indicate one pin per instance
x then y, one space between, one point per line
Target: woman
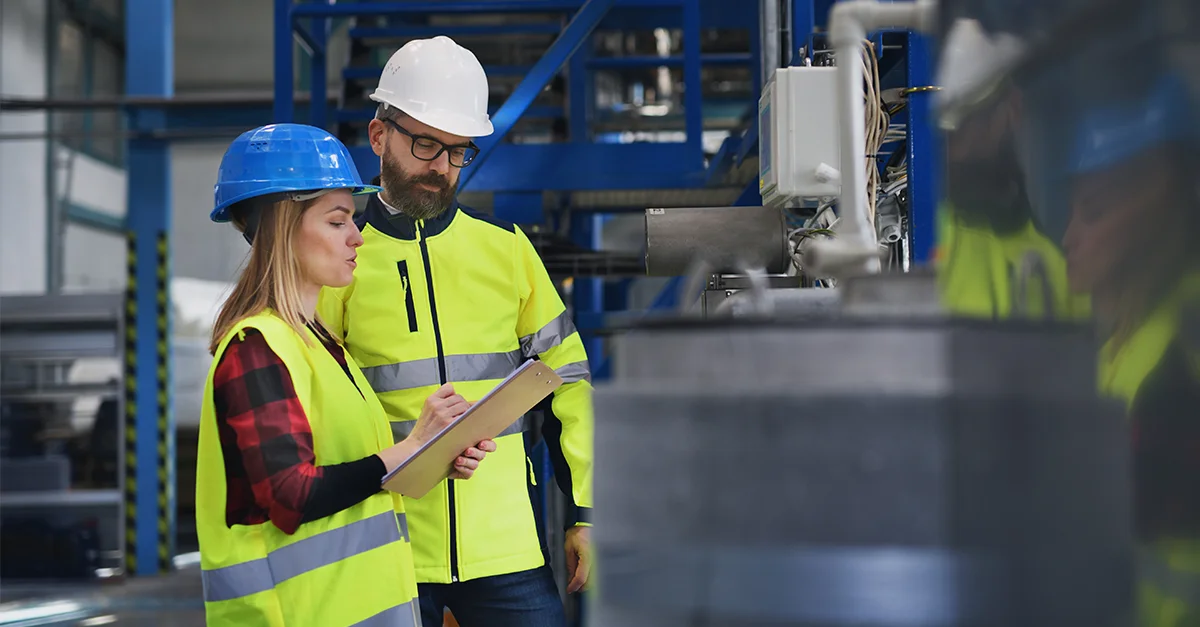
294 527
1130 243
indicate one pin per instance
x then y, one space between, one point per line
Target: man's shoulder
488 220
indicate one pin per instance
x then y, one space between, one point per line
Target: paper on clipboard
518 393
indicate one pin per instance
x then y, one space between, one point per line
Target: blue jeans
524 599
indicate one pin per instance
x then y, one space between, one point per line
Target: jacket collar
401 226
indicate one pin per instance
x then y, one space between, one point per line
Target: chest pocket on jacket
406 286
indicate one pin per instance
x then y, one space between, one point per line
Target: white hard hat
439 83
973 63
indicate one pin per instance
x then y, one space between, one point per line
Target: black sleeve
344 485
573 514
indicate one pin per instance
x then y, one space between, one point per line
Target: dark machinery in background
61 504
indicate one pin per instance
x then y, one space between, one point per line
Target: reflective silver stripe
482 366
295 559
408 375
549 336
573 373
1172 582
403 615
520 424
401 430
402 525
405 375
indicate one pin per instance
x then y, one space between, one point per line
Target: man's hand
579 558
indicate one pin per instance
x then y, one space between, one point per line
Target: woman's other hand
439 410
466 463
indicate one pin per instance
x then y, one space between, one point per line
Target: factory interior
1008 433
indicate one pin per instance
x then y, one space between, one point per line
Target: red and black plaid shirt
265 436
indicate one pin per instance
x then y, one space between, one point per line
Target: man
994 261
444 294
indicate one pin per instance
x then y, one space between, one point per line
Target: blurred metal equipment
894 468
728 239
61 404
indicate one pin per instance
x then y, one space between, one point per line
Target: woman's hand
465 464
439 410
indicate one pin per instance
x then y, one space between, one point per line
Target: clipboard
500 407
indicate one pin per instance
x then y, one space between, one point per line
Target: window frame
98 27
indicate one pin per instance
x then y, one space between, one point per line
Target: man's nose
441 164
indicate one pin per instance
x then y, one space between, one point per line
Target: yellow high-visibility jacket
980 270
1156 372
464 298
351 568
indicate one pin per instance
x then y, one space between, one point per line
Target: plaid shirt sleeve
265 437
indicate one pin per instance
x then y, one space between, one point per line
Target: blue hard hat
1109 134
280 158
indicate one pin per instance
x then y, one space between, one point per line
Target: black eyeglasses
427 148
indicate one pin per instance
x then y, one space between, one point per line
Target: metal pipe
856 251
351 9
10 105
727 239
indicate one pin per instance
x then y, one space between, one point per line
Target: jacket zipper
409 306
441 357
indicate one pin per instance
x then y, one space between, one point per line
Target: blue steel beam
318 83
749 140
803 22
284 107
434 8
722 162
587 294
366 115
924 158
308 40
571 166
371 72
453 30
572 37
595 63
724 58
693 97
581 100
150 425
750 197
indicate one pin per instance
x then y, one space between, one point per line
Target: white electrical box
798 136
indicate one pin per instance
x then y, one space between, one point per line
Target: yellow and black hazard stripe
166 435
131 313
165 444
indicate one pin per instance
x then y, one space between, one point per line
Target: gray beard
416 206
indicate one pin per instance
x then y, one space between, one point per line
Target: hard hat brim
221 212
444 121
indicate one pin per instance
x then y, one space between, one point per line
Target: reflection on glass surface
1072 192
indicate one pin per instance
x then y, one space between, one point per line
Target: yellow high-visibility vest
351 568
464 298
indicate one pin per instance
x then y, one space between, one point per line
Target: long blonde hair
272 276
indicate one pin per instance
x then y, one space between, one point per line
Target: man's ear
375 131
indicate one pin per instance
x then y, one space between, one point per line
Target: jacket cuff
578 517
